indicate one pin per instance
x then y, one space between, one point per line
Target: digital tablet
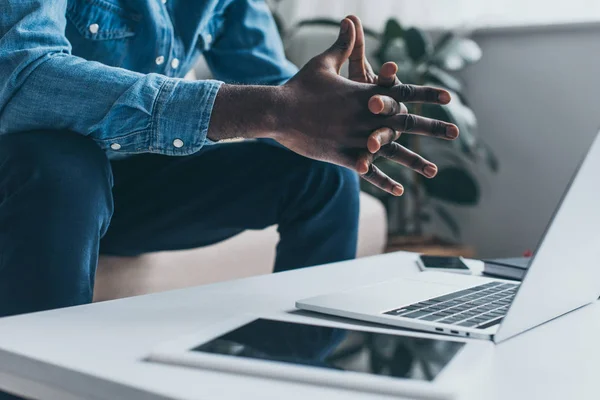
373 360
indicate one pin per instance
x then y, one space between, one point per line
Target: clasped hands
351 122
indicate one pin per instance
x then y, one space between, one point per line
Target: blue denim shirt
111 69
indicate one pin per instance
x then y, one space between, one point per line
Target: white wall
536 93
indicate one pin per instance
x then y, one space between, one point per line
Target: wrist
244 111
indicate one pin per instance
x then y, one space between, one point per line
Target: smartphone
444 264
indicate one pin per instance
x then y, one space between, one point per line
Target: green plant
423 61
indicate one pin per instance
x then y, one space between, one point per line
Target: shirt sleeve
249 49
44 87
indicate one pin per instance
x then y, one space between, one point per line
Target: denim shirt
112 69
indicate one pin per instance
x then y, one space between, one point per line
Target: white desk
95 351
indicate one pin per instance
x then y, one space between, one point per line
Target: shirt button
208 39
94 28
178 143
175 63
159 60
115 146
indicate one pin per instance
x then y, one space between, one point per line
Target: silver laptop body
562 276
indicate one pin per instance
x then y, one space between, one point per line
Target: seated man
93 113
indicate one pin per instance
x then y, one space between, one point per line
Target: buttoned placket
165 46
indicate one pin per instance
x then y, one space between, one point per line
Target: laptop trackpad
386 295
394 294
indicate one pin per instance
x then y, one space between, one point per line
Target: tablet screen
335 348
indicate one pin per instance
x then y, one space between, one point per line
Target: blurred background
525 75
526 78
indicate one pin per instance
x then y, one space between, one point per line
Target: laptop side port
455 332
439 329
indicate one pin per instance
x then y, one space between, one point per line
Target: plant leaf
424 217
442 42
453 62
392 31
453 185
439 76
490 157
456 52
449 220
469 50
418 44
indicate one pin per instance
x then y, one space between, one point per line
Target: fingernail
451 132
430 170
444 97
374 148
345 25
397 190
365 167
362 167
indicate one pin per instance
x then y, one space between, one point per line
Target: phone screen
438 262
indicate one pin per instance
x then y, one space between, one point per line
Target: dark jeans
62 203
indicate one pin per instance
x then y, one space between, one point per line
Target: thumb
339 52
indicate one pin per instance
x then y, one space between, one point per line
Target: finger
340 51
410 159
363 163
387 75
381 137
418 94
411 123
376 177
356 67
385 105
371 76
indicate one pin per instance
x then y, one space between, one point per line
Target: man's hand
381 142
347 146
321 115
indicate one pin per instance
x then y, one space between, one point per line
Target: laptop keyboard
477 307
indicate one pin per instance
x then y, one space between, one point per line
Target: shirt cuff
182 115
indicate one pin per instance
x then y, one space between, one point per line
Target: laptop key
415 314
508 286
459 309
430 317
453 295
436 308
451 320
395 312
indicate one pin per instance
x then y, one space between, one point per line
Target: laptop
562 276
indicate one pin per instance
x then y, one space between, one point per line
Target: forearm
43 87
121 110
246 111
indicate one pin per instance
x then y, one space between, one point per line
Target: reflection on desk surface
335 348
